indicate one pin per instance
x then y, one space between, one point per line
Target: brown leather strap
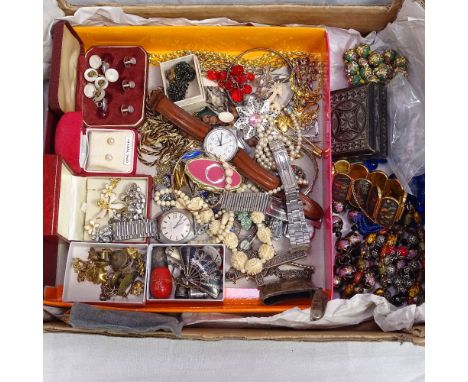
246 166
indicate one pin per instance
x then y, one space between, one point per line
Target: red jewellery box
119 74
70 200
95 151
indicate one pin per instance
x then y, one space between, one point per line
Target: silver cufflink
95 61
99 95
112 75
103 107
127 109
91 74
128 61
101 83
128 84
89 90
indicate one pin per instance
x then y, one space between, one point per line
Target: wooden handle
246 166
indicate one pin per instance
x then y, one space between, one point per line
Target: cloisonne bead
343 259
337 281
353 216
371 238
354 238
380 240
391 240
350 55
385 251
346 271
358 289
383 293
362 264
386 281
357 277
369 280
390 270
398 299
355 80
342 245
414 290
401 264
415 265
389 56
352 68
363 63
402 251
348 291
374 252
365 72
401 61
387 260
375 59
364 251
413 253
337 223
363 50
338 207
382 71
412 239
398 281
373 79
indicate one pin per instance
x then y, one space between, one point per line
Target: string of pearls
263 153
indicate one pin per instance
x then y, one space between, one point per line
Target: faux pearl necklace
263 153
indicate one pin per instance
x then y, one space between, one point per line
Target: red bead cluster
237 83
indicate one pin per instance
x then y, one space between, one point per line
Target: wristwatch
175 227
297 226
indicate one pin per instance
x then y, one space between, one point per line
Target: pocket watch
222 143
175 227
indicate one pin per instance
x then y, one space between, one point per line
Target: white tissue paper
405 35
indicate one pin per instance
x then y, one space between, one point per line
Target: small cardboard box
172 298
195 98
74 291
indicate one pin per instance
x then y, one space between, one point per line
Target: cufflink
128 61
112 75
95 61
89 90
102 107
127 109
128 84
91 74
101 83
99 95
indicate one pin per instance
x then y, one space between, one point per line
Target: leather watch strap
246 166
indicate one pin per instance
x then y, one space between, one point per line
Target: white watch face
175 226
222 143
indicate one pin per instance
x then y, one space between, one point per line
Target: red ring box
69 62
